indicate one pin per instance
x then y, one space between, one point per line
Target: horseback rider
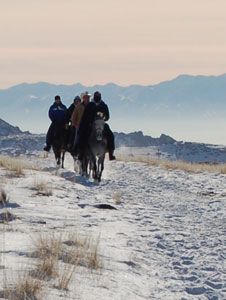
78 112
77 116
57 114
97 106
70 130
69 112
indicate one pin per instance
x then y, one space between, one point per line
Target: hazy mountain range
191 108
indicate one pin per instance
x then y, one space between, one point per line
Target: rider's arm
51 113
107 114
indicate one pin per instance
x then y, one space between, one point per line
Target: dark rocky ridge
6 129
15 142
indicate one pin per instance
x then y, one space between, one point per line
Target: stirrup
47 148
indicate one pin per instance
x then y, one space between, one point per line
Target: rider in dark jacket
71 108
57 114
91 110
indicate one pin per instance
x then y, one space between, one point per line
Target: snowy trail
166 240
178 232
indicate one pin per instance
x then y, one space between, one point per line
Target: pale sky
100 41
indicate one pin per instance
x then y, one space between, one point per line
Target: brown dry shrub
24 288
15 166
176 165
3 197
42 188
84 251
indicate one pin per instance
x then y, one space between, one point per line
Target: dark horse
97 147
58 142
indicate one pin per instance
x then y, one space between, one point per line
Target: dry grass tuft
83 252
58 260
48 251
5 216
25 288
15 165
117 197
65 276
47 268
3 197
94 261
42 188
46 246
76 240
15 170
177 165
77 252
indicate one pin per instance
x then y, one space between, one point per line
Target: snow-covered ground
165 241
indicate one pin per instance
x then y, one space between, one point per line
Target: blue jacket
57 112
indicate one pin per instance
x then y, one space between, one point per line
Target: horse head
98 128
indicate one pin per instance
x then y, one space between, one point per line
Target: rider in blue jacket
57 114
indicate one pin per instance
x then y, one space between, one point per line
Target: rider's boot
47 147
111 156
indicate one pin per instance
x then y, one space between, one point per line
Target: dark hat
97 97
57 97
77 98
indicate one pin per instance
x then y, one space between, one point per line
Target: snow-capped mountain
190 108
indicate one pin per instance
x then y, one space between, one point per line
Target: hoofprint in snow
166 240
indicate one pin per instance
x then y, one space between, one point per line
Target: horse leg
62 159
90 166
94 166
87 161
84 166
75 164
56 155
100 166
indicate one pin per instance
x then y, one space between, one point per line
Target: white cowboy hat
86 94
